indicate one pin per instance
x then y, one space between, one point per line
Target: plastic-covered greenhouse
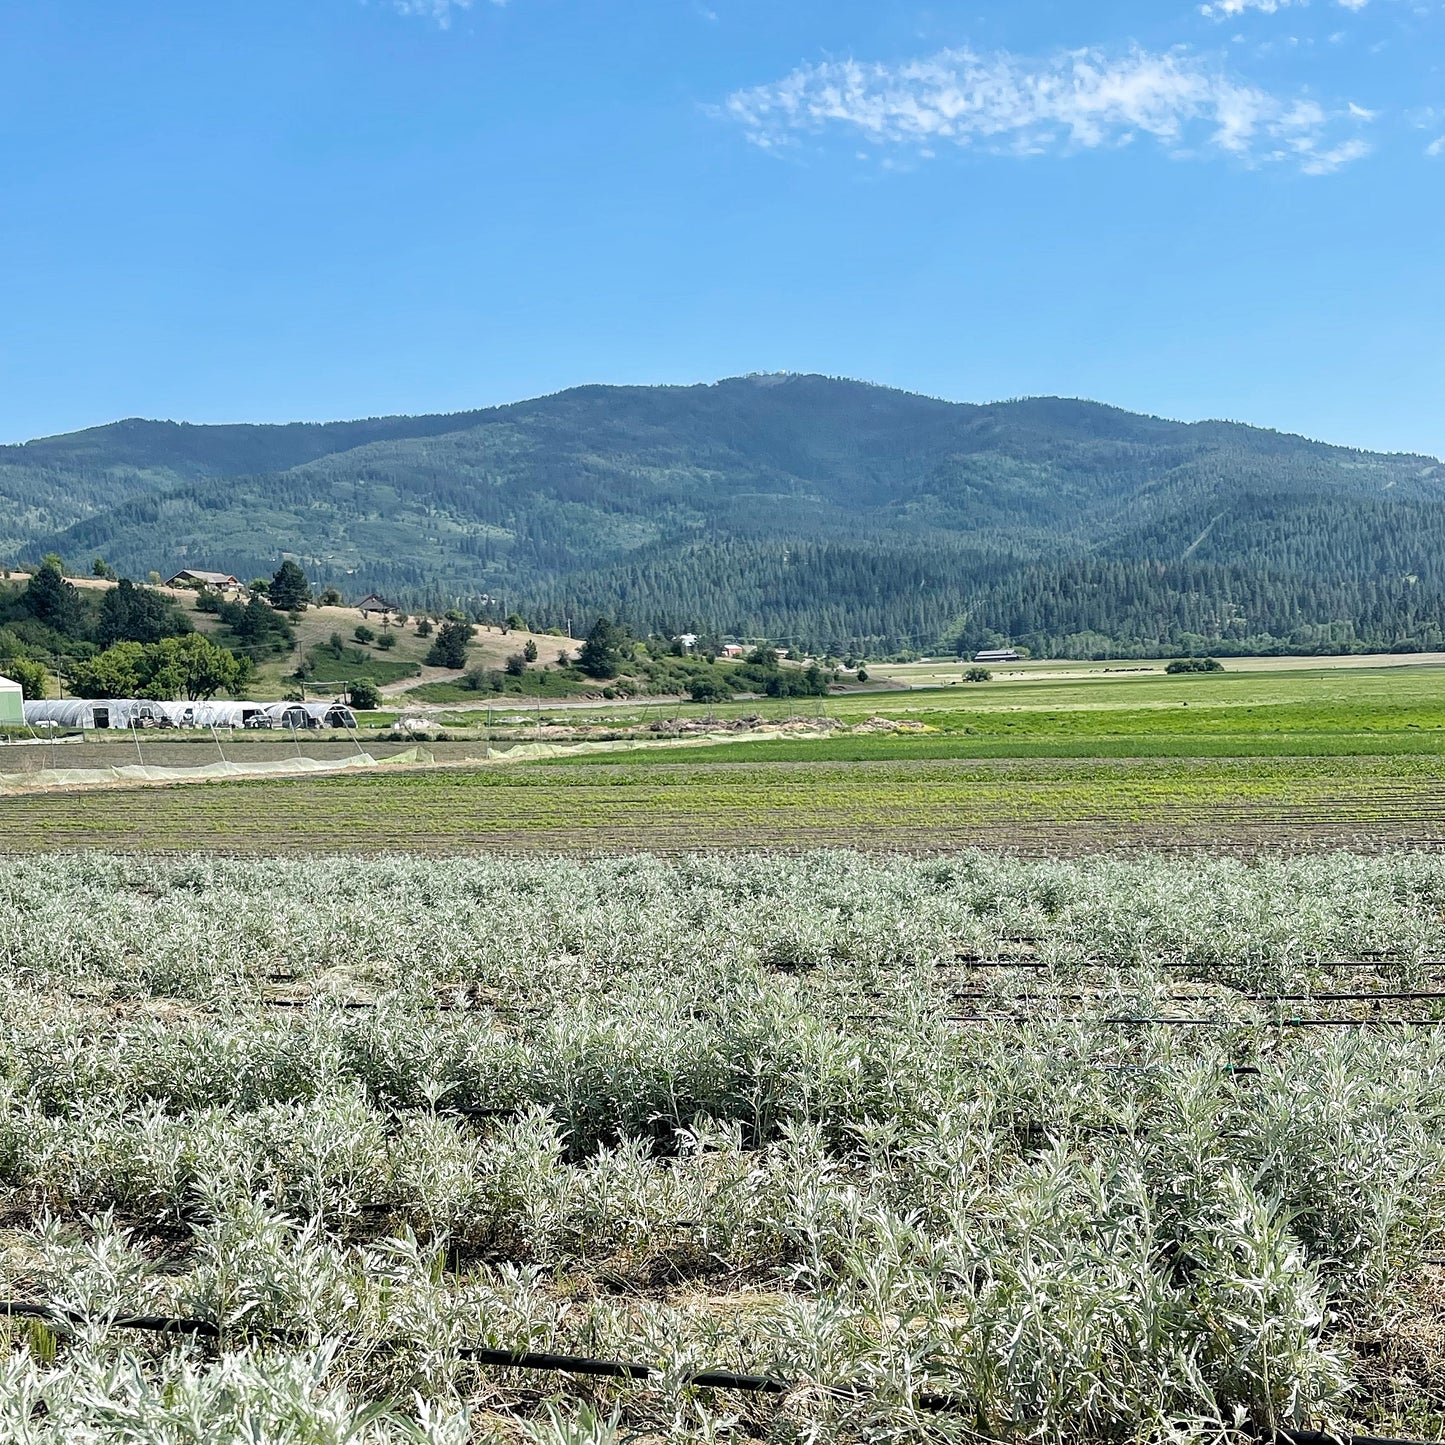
211 714
111 712
305 715
118 712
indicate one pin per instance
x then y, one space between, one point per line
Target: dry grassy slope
490 648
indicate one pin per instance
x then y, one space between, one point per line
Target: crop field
1289 712
819 1148
1032 805
1328 699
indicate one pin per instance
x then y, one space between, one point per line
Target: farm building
301 715
191 577
98 713
997 654
210 714
103 713
375 606
12 710
732 650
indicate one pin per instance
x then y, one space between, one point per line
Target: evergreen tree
136 614
51 600
602 653
449 649
290 591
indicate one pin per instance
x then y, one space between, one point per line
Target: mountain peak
565 496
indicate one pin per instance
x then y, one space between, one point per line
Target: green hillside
825 511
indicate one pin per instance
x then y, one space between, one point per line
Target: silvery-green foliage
281 1399
754 1113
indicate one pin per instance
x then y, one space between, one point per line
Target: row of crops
652 802
966 1148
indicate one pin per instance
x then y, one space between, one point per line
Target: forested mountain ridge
823 510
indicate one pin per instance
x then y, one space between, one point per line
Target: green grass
924 805
905 746
1289 760
535 682
1319 713
1319 700
353 666
1333 695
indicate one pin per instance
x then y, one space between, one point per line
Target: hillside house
217 581
732 649
374 606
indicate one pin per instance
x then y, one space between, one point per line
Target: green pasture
1328 700
1336 699
1319 713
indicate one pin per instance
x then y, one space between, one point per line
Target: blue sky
282 209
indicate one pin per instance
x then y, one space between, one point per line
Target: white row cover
75 712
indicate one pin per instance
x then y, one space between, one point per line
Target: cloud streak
1228 9
439 11
1077 100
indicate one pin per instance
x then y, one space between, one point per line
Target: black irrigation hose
158 1324
1188 1022
568 1364
1380 960
703 1379
963 994
483 1355
625 1370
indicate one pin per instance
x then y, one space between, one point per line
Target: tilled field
194 750
825 1147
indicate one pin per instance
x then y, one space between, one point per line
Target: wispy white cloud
1076 100
1436 147
438 10
1225 9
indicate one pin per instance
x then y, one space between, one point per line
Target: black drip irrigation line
1364 1023
962 995
702 1379
1373 1021
485 1355
1327 1437
1366 960
626 1370
437 1006
157 1324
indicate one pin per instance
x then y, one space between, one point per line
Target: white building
12 709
